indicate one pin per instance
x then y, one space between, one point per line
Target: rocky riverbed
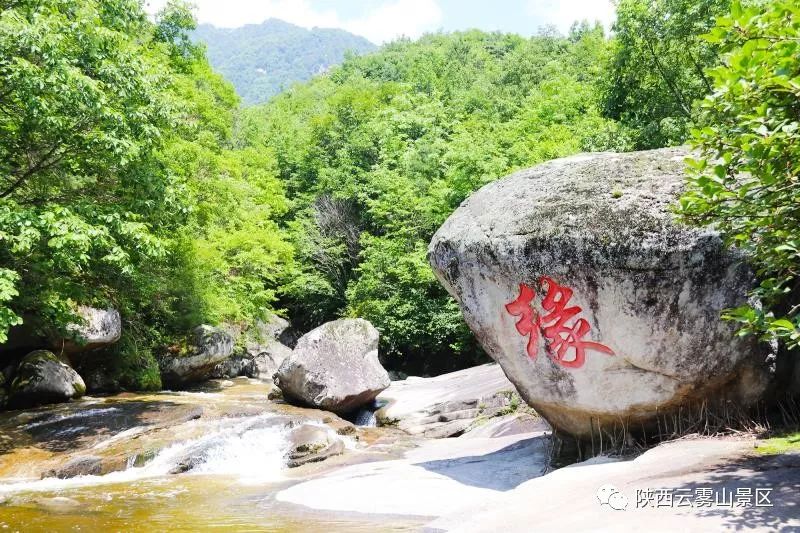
222 456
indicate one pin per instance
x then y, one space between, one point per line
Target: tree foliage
377 154
130 177
119 182
657 70
81 117
264 59
745 181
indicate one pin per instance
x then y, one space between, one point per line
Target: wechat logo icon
609 495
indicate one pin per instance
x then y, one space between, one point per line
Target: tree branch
674 90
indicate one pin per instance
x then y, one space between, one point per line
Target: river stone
334 367
88 465
311 444
42 378
270 358
275 327
646 290
101 327
206 347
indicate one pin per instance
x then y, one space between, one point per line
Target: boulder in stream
334 367
87 465
41 378
601 309
449 404
260 349
194 361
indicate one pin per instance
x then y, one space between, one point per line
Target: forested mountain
260 60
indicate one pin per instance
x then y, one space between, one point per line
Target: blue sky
384 20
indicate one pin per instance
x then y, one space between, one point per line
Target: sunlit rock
334 367
598 305
100 327
195 360
42 378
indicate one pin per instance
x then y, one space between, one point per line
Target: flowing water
182 461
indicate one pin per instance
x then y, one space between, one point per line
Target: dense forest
261 60
130 175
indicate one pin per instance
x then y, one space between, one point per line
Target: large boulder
100 327
601 309
334 367
261 362
42 378
195 360
278 328
271 346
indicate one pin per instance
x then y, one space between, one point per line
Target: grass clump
787 443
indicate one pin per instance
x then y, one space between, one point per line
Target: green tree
120 184
81 117
745 181
377 154
657 69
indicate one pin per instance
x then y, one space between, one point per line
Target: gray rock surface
79 466
262 353
334 367
569 499
101 327
41 378
206 347
278 328
269 358
432 478
600 307
447 405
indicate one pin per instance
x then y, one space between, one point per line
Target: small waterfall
252 449
365 417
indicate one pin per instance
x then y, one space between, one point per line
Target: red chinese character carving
528 323
559 337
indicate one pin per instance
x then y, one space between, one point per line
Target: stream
177 461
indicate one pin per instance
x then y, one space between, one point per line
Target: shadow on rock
780 473
500 470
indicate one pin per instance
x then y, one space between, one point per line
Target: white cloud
394 19
383 23
562 13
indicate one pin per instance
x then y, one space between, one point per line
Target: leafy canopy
378 153
657 70
745 181
119 181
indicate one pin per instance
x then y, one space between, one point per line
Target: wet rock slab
433 478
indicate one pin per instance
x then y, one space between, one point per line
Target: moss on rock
41 378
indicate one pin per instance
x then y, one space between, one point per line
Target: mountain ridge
261 60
